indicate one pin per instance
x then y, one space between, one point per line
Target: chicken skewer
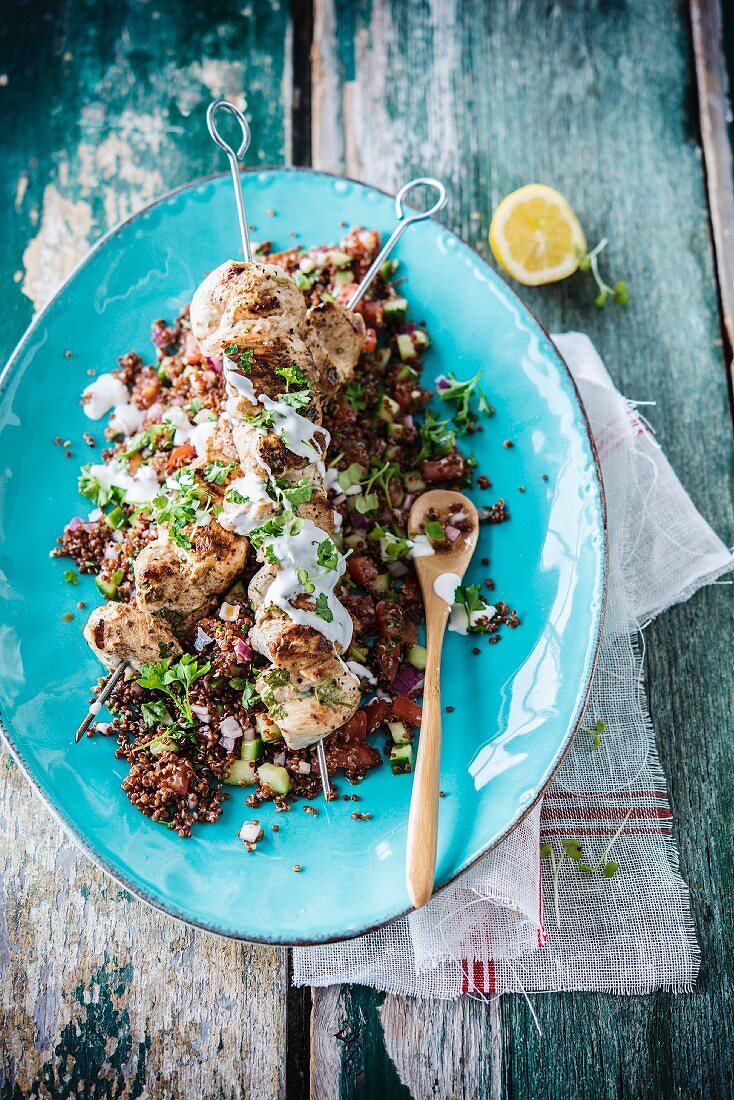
251 444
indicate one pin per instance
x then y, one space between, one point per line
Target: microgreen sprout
460 394
322 608
379 479
589 261
597 732
571 850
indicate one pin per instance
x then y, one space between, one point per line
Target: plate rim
61 817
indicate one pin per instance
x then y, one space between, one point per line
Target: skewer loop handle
235 155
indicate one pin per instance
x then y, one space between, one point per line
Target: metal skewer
323 770
234 158
101 699
403 223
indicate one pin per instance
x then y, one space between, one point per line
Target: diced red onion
442 383
215 364
452 533
459 517
359 523
202 639
229 729
243 650
397 568
304 768
408 421
161 337
227 744
249 734
72 525
202 713
279 759
407 680
250 831
408 327
407 503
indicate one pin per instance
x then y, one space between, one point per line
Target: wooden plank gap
302 21
712 87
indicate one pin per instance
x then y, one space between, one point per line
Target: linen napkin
521 921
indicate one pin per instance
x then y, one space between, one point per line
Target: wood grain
595 99
100 995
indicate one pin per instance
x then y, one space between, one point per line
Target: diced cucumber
414 483
435 531
110 588
401 759
417 657
395 309
383 357
251 750
406 347
381 583
241 773
266 728
421 339
407 374
354 542
339 259
356 653
396 430
116 518
161 745
389 268
276 777
392 454
342 278
387 409
399 733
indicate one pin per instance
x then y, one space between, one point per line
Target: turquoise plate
516 705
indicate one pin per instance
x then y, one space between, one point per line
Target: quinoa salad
246 521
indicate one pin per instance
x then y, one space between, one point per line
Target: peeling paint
62 238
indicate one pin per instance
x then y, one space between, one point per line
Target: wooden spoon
423 819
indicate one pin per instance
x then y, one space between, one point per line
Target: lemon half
535 235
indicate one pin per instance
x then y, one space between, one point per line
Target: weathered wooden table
102 109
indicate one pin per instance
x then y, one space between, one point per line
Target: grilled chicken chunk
259 296
335 335
124 631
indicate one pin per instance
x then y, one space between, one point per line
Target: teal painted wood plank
595 99
101 109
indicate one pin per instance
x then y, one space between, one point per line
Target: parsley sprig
437 437
175 681
468 596
293 376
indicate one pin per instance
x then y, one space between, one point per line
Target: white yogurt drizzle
138 488
102 395
239 384
297 432
297 551
445 586
241 517
198 435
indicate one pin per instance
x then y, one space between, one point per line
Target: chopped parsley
243 358
298 399
296 493
216 473
468 596
437 437
234 496
90 488
250 697
353 392
70 576
293 376
262 419
392 547
329 693
179 511
159 437
322 608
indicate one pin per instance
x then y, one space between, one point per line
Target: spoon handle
423 818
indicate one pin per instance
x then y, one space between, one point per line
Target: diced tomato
451 467
373 312
356 728
375 713
406 710
362 569
344 292
181 456
387 655
391 623
370 341
191 353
